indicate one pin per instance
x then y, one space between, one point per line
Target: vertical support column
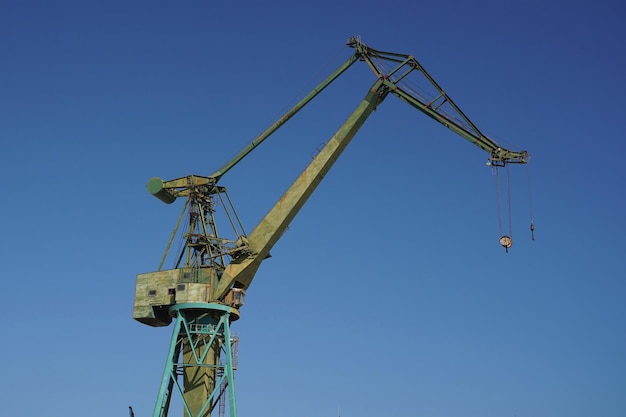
201 353
169 375
229 373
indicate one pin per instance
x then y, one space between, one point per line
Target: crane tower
203 293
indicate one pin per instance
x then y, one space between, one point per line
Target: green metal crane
206 289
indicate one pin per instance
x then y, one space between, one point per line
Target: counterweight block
155 187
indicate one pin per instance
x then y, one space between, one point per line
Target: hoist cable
508 192
530 205
169 243
498 200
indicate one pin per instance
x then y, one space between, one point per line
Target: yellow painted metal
199 381
240 271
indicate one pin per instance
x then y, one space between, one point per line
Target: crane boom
241 271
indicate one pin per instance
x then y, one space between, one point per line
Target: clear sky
389 295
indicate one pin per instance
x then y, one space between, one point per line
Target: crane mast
206 288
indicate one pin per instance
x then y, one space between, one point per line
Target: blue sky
389 294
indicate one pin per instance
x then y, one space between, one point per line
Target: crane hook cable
505 240
495 171
508 195
530 205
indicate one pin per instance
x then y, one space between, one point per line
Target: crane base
201 355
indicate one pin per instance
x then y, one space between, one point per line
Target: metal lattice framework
201 354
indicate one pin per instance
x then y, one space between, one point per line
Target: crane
205 290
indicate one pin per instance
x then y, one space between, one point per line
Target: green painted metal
206 287
201 353
156 187
160 293
292 112
439 106
240 271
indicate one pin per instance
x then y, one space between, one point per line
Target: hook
506 242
